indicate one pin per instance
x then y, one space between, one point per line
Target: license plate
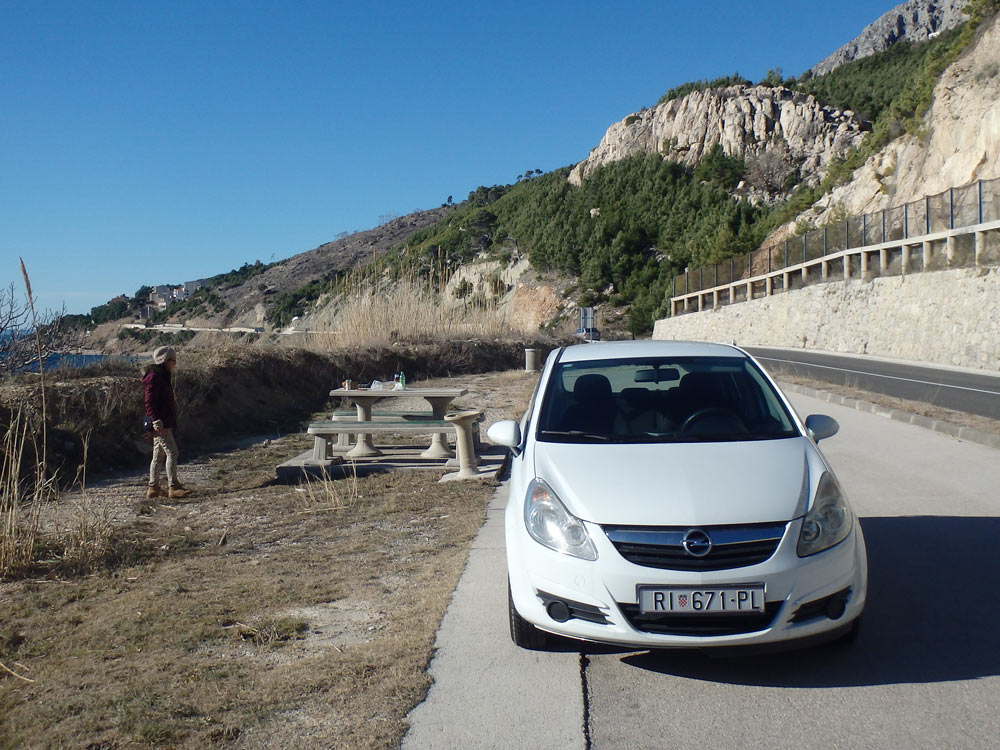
685 600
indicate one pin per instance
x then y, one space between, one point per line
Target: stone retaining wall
943 317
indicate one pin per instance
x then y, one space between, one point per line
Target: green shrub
716 83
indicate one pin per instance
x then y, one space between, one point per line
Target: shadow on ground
931 616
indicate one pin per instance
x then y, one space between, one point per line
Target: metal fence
972 204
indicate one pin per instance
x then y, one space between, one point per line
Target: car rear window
683 399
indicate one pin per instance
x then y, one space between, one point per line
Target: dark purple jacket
159 396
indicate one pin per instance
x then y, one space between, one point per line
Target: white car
666 495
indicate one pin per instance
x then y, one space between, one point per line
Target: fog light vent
561 610
832 606
558 611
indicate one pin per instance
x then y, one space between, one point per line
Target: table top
389 393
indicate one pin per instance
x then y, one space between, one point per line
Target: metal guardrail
951 229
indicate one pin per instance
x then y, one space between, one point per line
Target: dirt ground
250 615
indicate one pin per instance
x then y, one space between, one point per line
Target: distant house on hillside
163 294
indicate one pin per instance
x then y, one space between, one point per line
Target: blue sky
148 143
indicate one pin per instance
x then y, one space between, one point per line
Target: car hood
681 483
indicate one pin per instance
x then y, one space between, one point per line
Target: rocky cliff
747 121
959 141
915 20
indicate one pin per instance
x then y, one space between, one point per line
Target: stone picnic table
364 399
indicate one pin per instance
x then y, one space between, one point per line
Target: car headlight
828 521
550 524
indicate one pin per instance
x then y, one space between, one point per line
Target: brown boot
177 491
153 490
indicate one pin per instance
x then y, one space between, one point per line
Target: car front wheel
522 632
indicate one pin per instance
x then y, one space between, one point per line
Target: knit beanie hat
162 354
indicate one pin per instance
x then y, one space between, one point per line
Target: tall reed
21 498
22 493
373 311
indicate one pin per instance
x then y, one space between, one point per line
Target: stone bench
322 432
346 415
344 445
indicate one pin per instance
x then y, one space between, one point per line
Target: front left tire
522 632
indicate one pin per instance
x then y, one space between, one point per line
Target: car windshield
648 400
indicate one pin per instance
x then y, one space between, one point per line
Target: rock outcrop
914 20
959 142
747 121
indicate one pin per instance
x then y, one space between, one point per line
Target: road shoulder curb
961 432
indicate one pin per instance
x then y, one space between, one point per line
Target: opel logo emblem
697 543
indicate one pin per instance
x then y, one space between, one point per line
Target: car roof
626 349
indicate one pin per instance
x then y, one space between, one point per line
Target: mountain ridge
913 20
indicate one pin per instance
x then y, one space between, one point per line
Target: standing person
160 407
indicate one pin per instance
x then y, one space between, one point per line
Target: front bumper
805 598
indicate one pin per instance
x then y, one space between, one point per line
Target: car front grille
703 625
663 547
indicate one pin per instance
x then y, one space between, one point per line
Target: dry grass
374 313
250 615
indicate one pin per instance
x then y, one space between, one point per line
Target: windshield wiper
644 437
723 437
574 434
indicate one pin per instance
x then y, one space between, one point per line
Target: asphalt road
972 391
924 673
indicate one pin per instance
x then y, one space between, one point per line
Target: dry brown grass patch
258 616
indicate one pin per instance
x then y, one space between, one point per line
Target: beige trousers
164 451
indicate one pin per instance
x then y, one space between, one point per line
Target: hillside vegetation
653 217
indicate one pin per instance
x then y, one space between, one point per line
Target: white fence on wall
957 228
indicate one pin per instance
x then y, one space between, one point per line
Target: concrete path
487 693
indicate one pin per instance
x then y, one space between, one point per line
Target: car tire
522 632
851 634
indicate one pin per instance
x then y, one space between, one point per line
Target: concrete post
824 270
904 261
785 278
950 250
883 260
715 299
749 291
928 248
980 247
847 267
531 360
864 263
769 286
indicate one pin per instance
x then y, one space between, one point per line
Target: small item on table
347 385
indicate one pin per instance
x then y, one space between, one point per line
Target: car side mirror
821 426
506 433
